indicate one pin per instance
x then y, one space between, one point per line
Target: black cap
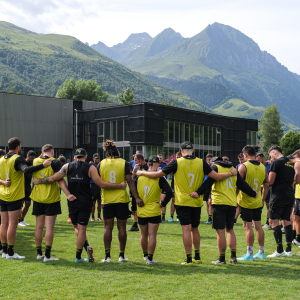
80 152
186 145
216 159
96 155
153 159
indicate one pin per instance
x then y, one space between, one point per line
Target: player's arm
21 165
133 202
5 182
242 171
222 176
152 175
93 173
272 177
265 187
56 177
63 186
164 185
297 173
245 187
133 190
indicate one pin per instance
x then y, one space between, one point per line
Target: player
96 191
207 194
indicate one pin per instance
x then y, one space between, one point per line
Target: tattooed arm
56 177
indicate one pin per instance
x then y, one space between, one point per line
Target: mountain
119 51
39 64
222 58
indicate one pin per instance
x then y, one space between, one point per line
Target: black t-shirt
282 189
28 177
172 166
79 184
55 164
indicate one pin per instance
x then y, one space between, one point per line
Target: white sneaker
276 254
290 253
145 258
1 251
23 223
40 256
266 226
106 260
4 255
121 259
151 262
50 259
295 242
15 256
26 223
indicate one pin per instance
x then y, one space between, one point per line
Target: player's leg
27 204
172 210
144 237
13 220
195 213
237 212
49 236
187 241
122 239
107 237
231 238
4 227
99 209
288 228
152 231
221 242
93 212
163 209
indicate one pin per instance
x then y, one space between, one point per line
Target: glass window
126 154
215 136
201 135
187 132
197 135
120 131
201 154
248 138
126 130
100 132
160 151
197 153
171 132
253 138
177 132
218 138
113 130
148 151
182 136
192 133
166 153
107 131
166 131
205 135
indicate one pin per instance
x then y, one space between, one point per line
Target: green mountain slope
39 64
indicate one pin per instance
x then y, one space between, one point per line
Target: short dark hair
140 156
13 143
62 159
249 150
209 155
277 148
178 153
31 153
297 152
260 154
241 155
47 148
2 152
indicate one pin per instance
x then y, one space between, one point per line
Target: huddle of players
188 174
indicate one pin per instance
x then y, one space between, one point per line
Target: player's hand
194 195
135 167
123 185
133 213
35 181
47 163
90 162
139 202
71 197
139 173
7 182
234 171
256 194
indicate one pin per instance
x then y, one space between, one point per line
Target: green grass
63 279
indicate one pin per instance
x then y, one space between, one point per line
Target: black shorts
188 215
96 192
249 215
223 216
280 209
152 220
80 215
206 196
50 209
11 206
116 210
267 200
296 211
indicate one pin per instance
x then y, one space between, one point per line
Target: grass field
63 279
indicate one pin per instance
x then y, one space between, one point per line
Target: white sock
250 250
261 250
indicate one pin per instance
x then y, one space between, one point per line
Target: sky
274 25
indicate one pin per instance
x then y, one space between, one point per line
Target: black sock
172 216
98 215
278 238
107 253
121 254
145 253
163 215
209 218
222 257
4 247
298 238
86 244
197 254
150 256
294 234
93 216
78 253
0 246
48 251
10 250
39 250
189 258
235 220
289 237
267 222
21 219
233 253
134 224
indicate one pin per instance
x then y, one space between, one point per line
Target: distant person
225 158
96 191
241 159
207 194
161 165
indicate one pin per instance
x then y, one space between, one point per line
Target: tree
290 143
169 103
82 90
270 129
127 97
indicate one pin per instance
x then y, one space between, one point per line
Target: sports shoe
260 255
15 256
151 262
197 261
290 253
69 220
57 220
163 219
1 251
123 259
208 222
80 260
92 219
145 258
187 263
282 230
177 220
4 255
266 226
233 260
276 254
295 242
246 257
26 224
219 262
40 256
22 223
99 219
50 259
133 228
90 252
171 219
106 260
